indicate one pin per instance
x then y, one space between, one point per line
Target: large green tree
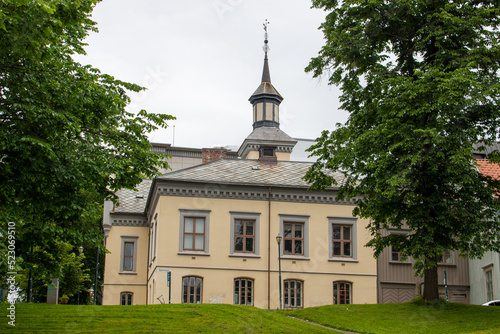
66 139
420 81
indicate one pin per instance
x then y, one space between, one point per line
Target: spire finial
266 47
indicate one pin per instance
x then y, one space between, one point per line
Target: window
193 231
293 294
342 240
342 232
396 254
192 289
128 255
267 152
294 230
342 292
446 257
488 275
243 291
126 298
244 234
153 232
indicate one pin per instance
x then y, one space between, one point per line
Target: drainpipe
269 251
147 263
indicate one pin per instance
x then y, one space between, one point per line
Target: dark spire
266 76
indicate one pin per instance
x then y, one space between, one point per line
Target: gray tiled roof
247 172
267 133
133 201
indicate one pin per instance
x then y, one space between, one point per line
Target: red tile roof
488 169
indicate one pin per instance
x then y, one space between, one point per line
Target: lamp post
80 251
279 238
91 293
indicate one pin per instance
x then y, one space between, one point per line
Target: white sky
202 59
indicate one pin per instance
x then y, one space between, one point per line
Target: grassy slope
178 318
406 318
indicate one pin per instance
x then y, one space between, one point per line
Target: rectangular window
126 298
128 255
446 257
244 236
243 291
194 233
488 276
342 293
342 232
192 289
293 238
293 294
342 240
396 254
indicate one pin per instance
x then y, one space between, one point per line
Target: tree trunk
431 291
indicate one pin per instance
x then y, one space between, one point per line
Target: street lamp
91 293
80 251
279 238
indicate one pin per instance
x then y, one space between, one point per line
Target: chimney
212 154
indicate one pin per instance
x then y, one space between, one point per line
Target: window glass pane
249 244
128 263
249 228
242 283
188 225
238 244
336 248
129 249
191 281
395 256
447 257
287 230
347 248
347 232
238 230
287 247
199 242
336 232
200 225
188 241
298 247
298 230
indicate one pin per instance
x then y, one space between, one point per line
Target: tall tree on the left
66 139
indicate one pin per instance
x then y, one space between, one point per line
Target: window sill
343 259
295 257
127 273
399 262
252 256
447 264
193 253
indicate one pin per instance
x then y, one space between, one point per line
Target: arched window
293 293
126 298
342 292
192 288
243 291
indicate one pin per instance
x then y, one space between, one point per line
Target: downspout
147 263
269 251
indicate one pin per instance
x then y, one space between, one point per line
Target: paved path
326 327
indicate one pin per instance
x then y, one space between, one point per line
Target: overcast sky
202 59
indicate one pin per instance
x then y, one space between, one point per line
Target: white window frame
353 222
289 218
134 240
255 216
489 269
186 213
408 258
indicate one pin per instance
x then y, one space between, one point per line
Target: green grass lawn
406 318
181 318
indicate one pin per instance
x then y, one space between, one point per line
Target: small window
244 236
267 151
126 298
342 240
293 294
128 255
396 254
243 291
342 292
293 238
192 289
446 257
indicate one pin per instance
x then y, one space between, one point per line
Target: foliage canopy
420 80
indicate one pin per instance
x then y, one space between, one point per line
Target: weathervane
266 47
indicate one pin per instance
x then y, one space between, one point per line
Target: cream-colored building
212 229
